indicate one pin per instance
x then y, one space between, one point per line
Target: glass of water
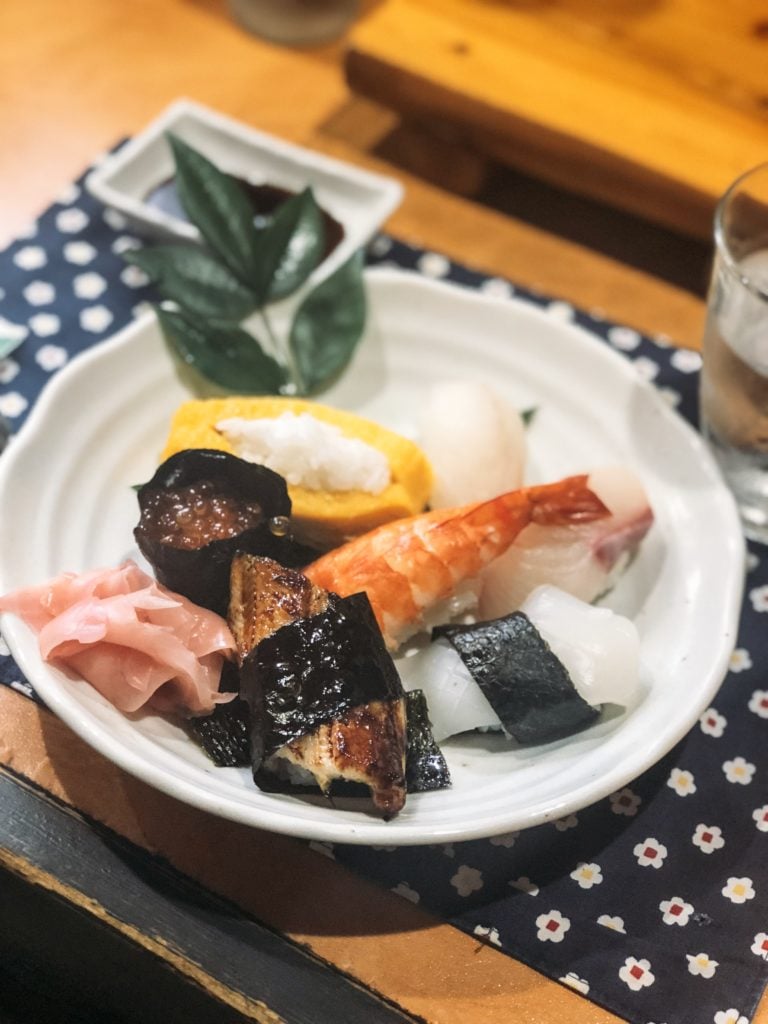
295 22
734 377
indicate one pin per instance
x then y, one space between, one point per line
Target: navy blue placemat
651 902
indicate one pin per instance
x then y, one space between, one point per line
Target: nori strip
225 735
425 766
525 682
312 671
202 574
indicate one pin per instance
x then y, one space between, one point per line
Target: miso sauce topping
193 516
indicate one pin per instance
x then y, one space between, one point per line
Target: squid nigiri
475 441
540 672
410 567
582 557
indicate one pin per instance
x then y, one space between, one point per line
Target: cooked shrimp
410 566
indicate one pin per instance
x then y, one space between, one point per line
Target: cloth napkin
652 902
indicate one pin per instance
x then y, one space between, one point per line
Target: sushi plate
68 494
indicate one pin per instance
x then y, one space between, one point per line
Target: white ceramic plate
66 499
359 200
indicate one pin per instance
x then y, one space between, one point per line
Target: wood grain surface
70 86
390 946
247 968
656 105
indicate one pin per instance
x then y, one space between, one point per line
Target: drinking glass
734 377
295 22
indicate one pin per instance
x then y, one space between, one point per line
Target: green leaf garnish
328 325
290 247
226 355
189 276
243 270
218 207
528 415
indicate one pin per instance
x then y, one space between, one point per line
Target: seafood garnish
199 508
410 566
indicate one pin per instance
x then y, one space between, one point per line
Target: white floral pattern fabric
652 901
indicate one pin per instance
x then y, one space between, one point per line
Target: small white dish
66 496
359 200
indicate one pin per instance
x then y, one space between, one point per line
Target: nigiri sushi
325 696
539 673
410 568
475 441
585 558
323 693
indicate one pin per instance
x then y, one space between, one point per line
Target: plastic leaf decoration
239 271
226 355
328 324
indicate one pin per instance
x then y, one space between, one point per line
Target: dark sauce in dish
265 199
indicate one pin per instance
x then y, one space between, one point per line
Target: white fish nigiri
599 650
475 441
584 559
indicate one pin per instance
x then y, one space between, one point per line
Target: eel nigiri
323 692
582 557
540 672
411 567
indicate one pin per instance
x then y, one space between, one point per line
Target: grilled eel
322 689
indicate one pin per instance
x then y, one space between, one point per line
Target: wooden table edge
403 957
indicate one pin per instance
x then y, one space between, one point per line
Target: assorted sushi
200 507
425 569
292 661
536 674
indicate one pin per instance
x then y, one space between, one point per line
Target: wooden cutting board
654 106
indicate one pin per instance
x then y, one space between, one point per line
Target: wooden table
653 106
228 922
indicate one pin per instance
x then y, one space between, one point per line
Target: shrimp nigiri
411 566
